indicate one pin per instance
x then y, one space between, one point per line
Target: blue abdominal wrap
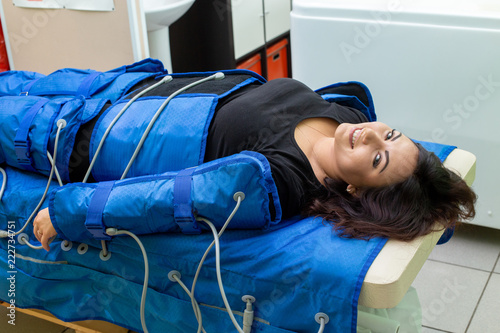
177 140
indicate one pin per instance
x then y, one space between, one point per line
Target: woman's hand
43 229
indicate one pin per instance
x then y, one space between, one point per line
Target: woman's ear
352 190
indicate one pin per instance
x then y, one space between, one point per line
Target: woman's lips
355 133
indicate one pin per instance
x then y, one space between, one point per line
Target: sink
162 13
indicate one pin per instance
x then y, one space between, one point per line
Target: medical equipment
33 103
4 233
297 272
249 254
84 88
177 141
252 259
162 81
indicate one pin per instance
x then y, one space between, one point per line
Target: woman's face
372 154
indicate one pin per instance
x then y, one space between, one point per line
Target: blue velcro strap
183 210
93 222
21 141
26 88
84 88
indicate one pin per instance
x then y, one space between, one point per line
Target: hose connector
248 313
112 231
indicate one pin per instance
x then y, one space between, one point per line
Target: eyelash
378 158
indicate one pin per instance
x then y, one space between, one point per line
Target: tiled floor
458 287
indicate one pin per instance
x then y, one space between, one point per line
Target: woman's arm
152 204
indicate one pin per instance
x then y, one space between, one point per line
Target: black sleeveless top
263 118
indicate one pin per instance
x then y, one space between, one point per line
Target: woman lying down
327 160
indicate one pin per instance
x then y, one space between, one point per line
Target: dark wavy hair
404 210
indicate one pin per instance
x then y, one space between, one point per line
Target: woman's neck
308 134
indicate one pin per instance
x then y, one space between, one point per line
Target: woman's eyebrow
387 153
387 158
397 137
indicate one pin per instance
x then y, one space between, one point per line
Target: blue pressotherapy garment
148 204
295 269
32 103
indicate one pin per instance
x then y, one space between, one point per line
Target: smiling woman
379 182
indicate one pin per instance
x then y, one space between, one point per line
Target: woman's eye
390 135
376 160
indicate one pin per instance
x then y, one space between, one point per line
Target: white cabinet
249 17
277 16
248 26
223 34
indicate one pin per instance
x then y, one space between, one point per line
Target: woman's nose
371 137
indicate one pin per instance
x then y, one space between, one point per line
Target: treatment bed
293 276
